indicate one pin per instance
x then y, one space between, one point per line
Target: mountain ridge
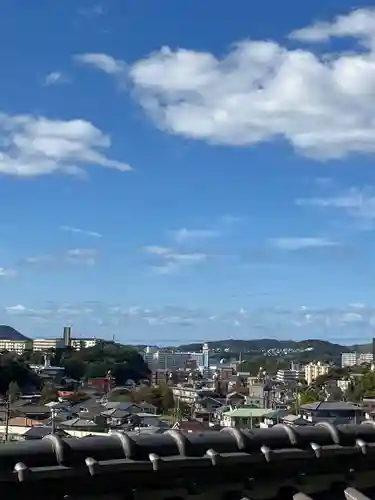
309 349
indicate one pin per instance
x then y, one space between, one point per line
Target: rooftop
248 412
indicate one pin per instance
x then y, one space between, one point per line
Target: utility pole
53 423
7 415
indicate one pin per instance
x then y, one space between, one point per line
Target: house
35 412
23 422
80 424
235 398
208 403
189 426
335 412
295 421
129 407
274 417
41 431
190 395
147 407
244 417
116 417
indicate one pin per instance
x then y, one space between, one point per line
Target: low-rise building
244 417
335 412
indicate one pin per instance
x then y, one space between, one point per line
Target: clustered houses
25 420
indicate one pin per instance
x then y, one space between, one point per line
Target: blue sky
187 171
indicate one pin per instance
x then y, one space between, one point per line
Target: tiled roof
320 462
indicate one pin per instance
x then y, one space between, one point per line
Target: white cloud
82 256
17 309
102 62
261 91
7 273
76 230
182 235
356 202
301 243
157 250
55 78
358 24
170 261
94 11
32 146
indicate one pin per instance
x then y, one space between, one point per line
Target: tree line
122 362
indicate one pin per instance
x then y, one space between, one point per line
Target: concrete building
45 345
355 358
18 346
163 360
287 376
67 335
315 370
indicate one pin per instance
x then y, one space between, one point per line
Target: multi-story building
166 360
77 344
286 376
83 343
315 370
18 346
355 358
46 344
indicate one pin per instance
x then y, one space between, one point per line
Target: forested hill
314 348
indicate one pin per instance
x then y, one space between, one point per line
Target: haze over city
187 171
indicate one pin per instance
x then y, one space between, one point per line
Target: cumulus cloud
341 324
358 24
32 146
302 243
322 104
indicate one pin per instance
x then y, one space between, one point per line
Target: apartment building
288 376
76 343
18 346
315 370
163 360
355 358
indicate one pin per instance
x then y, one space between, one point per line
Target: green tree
49 393
308 397
14 391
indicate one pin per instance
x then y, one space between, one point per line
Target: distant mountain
10 333
309 349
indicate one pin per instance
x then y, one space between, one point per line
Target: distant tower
67 336
206 356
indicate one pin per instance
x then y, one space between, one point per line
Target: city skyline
175 173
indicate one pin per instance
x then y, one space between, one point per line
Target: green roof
248 412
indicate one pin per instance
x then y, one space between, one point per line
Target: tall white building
162 360
355 358
315 370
